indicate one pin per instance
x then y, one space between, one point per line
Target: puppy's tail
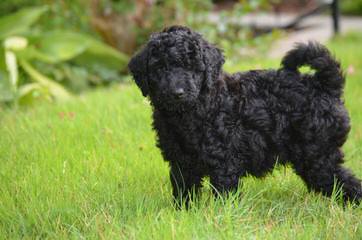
328 74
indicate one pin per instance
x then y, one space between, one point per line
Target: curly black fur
210 123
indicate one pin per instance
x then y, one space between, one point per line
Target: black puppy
210 123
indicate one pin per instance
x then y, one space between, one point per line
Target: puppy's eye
157 67
155 64
153 61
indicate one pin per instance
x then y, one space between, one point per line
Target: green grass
89 169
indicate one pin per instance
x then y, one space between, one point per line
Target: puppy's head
175 66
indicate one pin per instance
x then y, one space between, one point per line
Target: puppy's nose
179 92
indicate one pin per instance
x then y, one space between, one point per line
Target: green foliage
55 50
89 169
352 7
226 32
20 21
165 13
119 6
67 14
10 6
62 46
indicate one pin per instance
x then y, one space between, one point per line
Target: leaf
101 54
31 53
62 45
20 21
97 53
29 93
107 54
12 67
15 43
2 59
55 89
6 93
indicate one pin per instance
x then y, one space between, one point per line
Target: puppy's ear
138 68
213 60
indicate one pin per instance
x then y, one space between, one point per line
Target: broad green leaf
96 52
32 92
55 89
100 54
61 45
111 57
2 59
31 53
64 45
20 21
15 43
6 93
12 67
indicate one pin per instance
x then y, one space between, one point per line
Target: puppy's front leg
186 183
224 181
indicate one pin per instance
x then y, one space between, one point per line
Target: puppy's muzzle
179 93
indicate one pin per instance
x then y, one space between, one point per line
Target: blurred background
54 49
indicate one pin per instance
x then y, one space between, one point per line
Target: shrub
27 48
352 7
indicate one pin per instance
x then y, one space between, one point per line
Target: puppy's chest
193 133
188 132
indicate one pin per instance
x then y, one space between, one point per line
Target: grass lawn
89 169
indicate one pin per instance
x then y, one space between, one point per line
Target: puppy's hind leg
321 173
